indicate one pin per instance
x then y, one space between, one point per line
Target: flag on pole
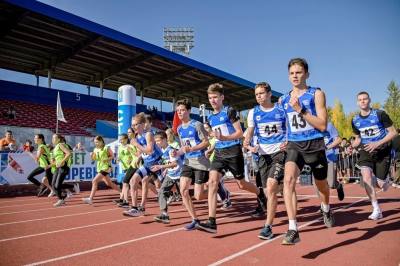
175 123
60 114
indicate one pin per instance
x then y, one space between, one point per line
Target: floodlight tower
179 39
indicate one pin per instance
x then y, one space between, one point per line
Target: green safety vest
124 156
102 159
44 158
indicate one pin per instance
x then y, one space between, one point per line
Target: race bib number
369 132
297 123
269 129
190 142
223 129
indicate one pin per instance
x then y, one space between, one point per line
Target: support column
37 80
88 89
49 73
101 89
142 96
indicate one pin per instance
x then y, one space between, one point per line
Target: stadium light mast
179 39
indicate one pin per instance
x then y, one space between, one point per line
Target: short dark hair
124 136
185 103
264 85
100 138
298 61
161 134
9 131
40 136
363 92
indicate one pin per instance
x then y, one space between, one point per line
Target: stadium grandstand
44 41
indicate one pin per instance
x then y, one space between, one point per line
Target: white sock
292 225
375 205
324 207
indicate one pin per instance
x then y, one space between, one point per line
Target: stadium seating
44 116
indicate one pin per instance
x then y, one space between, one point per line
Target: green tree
376 105
338 117
392 103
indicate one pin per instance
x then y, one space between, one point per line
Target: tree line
342 121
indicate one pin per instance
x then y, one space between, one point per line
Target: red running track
34 232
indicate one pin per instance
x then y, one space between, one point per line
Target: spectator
11 113
28 147
396 159
8 142
79 147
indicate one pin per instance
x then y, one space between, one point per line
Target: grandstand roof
36 37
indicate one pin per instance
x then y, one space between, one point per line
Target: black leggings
38 171
58 180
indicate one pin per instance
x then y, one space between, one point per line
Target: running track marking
75 228
19 205
55 217
119 244
44 209
240 253
304 195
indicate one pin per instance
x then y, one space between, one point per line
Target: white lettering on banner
15 167
120 115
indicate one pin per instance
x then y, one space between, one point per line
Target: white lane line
19 205
17 200
55 217
346 197
44 209
244 251
119 243
74 228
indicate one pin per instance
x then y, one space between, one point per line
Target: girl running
103 155
43 160
61 154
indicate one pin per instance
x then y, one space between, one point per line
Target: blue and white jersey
269 128
149 159
175 172
223 124
298 128
189 136
329 136
370 128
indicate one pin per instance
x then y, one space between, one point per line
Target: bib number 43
298 121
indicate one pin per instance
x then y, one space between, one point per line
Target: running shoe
123 204
266 233
329 220
87 201
292 237
208 226
340 191
193 225
375 215
162 218
59 203
118 201
134 212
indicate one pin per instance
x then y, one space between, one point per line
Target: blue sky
350 45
